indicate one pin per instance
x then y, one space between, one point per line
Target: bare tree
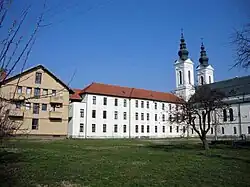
200 112
241 40
15 49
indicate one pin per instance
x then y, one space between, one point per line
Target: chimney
3 74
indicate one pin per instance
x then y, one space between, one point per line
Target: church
111 111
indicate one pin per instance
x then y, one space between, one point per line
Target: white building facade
108 111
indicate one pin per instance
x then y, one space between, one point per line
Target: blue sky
133 42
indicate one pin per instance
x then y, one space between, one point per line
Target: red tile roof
75 95
119 91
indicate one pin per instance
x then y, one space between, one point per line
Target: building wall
49 122
130 122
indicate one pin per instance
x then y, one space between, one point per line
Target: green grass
121 163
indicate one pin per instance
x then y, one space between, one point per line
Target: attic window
38 78
123 92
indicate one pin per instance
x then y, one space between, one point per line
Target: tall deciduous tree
200 111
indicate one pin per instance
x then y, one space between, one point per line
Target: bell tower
184 72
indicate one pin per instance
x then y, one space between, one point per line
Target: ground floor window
222 130
93 127
163 129
147 128
81 127
177 129
115 128
104 128
248 129
142 128
235 130
136 128
35 124
212 130
124 128
155 129
170 129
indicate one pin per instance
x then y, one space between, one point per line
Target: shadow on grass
225 157
198 150
9 166
175 147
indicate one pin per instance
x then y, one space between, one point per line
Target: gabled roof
233 87
75 95
126 92
34 69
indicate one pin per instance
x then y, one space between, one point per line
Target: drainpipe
86 116
239 115
129 125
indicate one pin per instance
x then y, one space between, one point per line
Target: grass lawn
121 163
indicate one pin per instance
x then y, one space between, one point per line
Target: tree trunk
205 143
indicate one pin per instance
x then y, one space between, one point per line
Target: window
210 81
170 117
180 77
38 79
44 107
105 101
163 117
136 128
170 129
163 106
222 130
116 102
35 108
177 129
189 77
142 129
184 129
93 113
136 116
104 114
170 107
34 124
147 128
37 92
235 130
163 129
19 89
142 116
124 128
136 103
224 115
93 128
155 117
231 114
124 115
202 80
142 104
125 103
82 113
203 115
116 115
28 106
115 128
18 105
155 106
104 128
28 90
94 100
53 92
155 129
45 92
176 107
248 128
148 116
192 131
212 130
81 127
147 104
